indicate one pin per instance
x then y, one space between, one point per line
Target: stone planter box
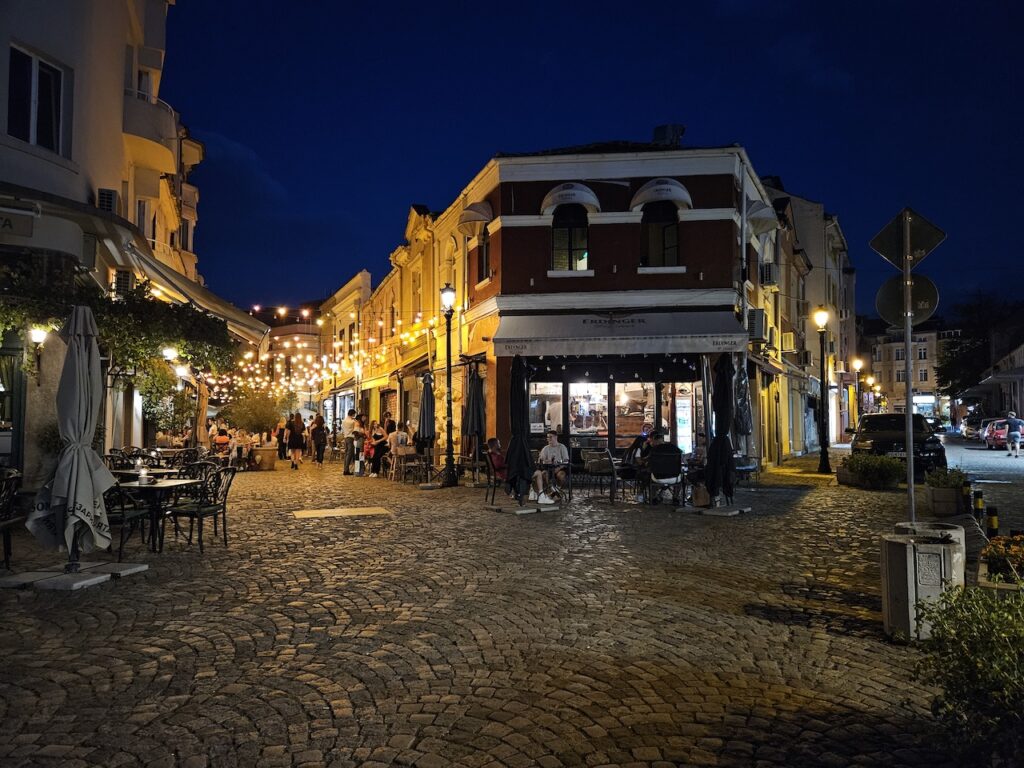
266 458
943 502
1002 589
846 477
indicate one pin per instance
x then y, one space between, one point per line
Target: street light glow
447 296
857 364
821 318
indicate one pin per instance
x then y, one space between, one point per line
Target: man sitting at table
553 460
664 461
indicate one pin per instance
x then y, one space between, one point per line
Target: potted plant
255 412
844 475
1001 566
943 491
974 657
875 472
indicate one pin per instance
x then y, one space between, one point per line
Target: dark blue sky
325 121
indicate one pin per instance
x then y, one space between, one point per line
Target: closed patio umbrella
426 431
475 422
720 470
69 509
743 422
518 460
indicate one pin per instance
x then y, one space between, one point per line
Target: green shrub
976 656
945 478
876 471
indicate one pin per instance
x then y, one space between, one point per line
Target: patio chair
493 481
125 511
748 468
666 472
10 479
117 461
598 467
212 503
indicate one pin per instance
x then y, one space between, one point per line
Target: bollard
979 507
992 522
965 496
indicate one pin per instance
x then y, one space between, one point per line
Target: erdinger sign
655 332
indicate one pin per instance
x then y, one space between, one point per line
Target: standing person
348 425
379 441
1014 427
279 433
318 437
358 439
296 439
389 423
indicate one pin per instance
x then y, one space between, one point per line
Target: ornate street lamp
449 478
870 381
821 320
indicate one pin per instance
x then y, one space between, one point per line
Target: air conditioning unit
803 308
770 275
803 358
757 325
789 342
108 200
124 281
840 366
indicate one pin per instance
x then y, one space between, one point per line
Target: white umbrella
70 508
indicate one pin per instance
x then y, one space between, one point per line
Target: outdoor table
157 472
155 494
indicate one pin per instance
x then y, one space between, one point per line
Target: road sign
925 237
889 300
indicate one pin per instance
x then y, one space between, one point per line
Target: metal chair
493 481
125 511
117 461
212 503
10 479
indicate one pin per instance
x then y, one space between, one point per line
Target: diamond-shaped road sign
925 237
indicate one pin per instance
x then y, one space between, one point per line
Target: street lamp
821 319
870 381
857 365
449 478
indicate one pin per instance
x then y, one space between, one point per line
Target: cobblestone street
446 633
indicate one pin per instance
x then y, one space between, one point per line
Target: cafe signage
15 224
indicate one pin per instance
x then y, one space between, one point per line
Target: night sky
324 121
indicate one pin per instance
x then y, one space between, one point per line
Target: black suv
884 434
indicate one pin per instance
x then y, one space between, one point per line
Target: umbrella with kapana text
69 509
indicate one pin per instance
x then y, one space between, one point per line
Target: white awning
180 288
638 333
656 190
474 218
572 192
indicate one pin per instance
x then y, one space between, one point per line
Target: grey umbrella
69 509
475 423
426 431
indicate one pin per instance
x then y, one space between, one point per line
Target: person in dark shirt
1014 426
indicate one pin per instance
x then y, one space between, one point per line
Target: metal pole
823 466
908 323
450 478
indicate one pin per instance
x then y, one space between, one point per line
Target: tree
253 411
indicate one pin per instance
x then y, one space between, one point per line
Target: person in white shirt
348 425
553 460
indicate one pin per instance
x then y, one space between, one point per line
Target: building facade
887 365
94 186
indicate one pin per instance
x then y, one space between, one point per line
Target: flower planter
846 477
266 458
1000 588
943 502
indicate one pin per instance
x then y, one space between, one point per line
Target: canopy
69 509
653 332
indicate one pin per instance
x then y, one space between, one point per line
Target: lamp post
870 381
449 479
857 364
821 319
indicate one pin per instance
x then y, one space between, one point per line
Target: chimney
669 135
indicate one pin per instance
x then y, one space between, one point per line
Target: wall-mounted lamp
37 336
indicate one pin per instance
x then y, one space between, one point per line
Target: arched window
660 226
569 250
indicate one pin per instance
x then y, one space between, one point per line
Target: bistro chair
211 503
125 511
10 479
117 461
666 472
748 468
493 481
598 467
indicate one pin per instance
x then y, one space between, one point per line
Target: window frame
571 226
483 256
666 218
34 103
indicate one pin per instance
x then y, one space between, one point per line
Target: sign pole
908 347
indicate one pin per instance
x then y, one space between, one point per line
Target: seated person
553 460
222 441
664 460
634 457
398 438
163 440
497 459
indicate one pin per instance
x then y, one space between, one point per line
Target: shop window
545 407
588 409
635 404
35 91
660 225
569 236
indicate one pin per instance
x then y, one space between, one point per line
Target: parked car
937 424
995 435
984 427
884 434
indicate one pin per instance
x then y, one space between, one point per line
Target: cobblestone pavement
450 634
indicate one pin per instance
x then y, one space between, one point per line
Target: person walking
296 439
348 425
1014 427
318 436
279 434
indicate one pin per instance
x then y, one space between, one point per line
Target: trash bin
916 568
942 530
